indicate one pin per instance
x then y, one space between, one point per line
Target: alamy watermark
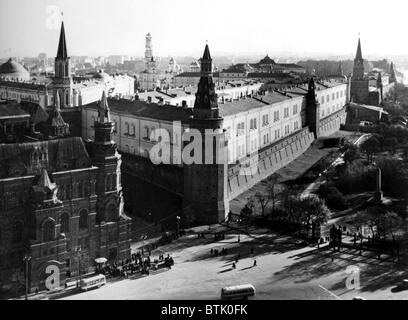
193 146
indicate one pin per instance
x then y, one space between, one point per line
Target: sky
182 27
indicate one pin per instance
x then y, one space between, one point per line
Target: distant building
151 78
15 83
371 88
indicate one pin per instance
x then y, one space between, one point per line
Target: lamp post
78 251
26 260
178 226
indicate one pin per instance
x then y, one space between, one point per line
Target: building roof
266 60
11 68
145 109
12 110
62 45
63 155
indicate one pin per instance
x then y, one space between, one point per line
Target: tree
371 146
263 201
314 210
391 144
273 192
246 211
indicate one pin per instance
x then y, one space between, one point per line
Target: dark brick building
60 200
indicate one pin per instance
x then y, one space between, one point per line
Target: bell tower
62 80
205 180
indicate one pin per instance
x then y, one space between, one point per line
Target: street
286 269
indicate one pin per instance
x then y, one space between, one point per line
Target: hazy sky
103 27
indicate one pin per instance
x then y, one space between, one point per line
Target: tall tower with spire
312 109
110 205
340 71
62 80
106 157
359 91
205 181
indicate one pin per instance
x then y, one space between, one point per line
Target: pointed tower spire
358 68
57 103
340 69
62 45
359 55
393 77
104 111
206 98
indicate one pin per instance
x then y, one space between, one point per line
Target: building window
17 232
252 124
322 99
286 112
83 219
115 127
48 231
328 98
295 125
276 116
146 131
127 128
295 109
64 223
133 131
265 120
111 213
240 129
333 96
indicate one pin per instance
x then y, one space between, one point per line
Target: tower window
48 231
83 219
64 222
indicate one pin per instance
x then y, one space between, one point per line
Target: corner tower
312 109
359 83
62 80
105 156
205 180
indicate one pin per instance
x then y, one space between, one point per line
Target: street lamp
78 250
178 225
26 260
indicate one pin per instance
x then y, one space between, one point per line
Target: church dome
267 60
14 71
103 76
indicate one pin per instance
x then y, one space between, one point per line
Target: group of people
137 263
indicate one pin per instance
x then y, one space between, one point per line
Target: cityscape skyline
123 32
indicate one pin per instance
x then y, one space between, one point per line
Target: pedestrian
212 251
254 263
233 266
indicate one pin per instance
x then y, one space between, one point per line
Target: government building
262 132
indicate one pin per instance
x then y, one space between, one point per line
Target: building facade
61 200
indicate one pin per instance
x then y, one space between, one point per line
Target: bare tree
263 201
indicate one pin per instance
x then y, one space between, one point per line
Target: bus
238 292
93 282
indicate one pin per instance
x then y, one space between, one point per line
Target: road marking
331 293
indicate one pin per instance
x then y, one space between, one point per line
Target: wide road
286 269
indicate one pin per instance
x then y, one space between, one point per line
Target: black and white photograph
197 150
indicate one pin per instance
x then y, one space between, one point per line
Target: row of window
334 95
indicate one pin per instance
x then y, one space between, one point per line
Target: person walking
254 263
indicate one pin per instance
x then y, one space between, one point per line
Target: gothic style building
61 200
361 90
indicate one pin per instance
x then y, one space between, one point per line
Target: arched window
17 232
48 231
83 219
111 213
80 190
64 223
